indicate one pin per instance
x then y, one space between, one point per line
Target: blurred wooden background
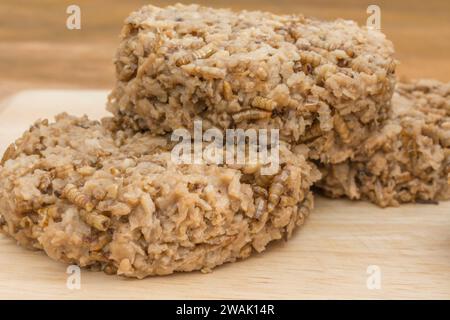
37 51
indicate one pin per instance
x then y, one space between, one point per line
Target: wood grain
327 258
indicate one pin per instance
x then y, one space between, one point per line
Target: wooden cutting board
407 248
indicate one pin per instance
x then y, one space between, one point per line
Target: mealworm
404 177
303 210
62 172
263 180
326 45
227 91
276 189
26 222
98 256
102 241
260 191
251 114
340 54
110 269
202 53
307 57
47 214
264 103
325 71
260 205
350 52
120 209
391 67
341 128
9 153
96 220
203 204
294 32
312 133
114 171
71 193
204 71
86 170
409 145
45 182
159 40
360 66
99 193
102 153
146 65
129 123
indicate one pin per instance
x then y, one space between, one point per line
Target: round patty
108 199
408 159
324 83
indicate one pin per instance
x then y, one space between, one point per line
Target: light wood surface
327 258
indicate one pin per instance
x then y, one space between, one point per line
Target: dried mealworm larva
309 200
45 182
110 269
252 114
78 198
361 65
260 191
312 133
308 57
202 53
392 66
260 205
47 214
276 189
205 52
86 170
26 222
324 44
340 54
227 91
114 171
97 256
96 220
350 52
8 153
404 177
409 145
325 71
62 172
264 103
204 71
102 241
187 58
120 209
51 211
341 128
99 193
102 153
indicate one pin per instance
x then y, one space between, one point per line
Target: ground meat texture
408 159
326 84
89 194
